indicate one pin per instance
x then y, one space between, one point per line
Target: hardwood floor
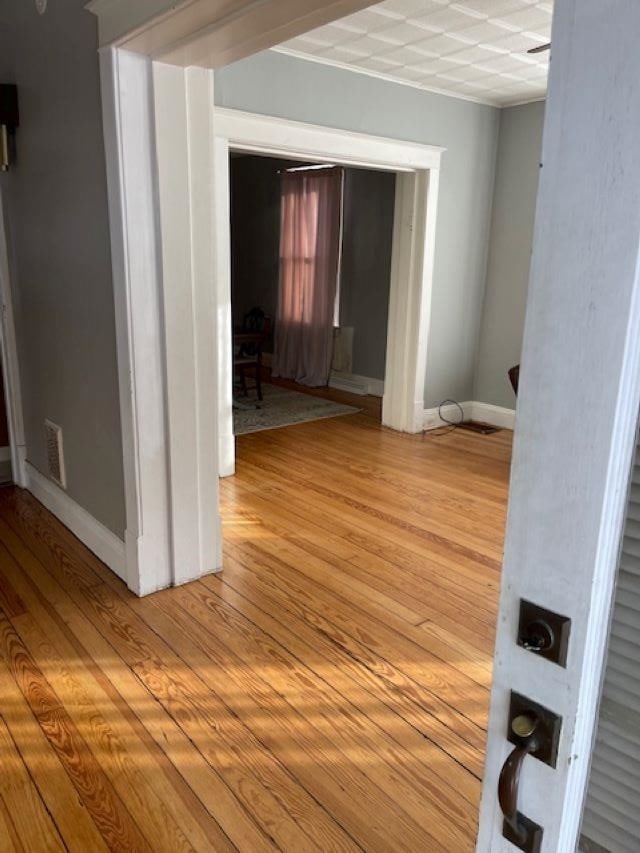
327 691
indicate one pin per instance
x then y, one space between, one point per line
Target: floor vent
55 454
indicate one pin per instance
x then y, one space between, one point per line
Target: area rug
282 407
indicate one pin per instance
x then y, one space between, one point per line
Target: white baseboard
450 412
227 455
473 411
495 415
98 539
356 384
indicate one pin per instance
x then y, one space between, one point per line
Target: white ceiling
473 49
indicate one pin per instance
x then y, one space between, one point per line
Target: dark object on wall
9 121
514 378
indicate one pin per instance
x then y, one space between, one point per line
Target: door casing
416 205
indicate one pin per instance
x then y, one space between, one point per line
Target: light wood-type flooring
327 691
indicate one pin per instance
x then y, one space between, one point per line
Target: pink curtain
309 251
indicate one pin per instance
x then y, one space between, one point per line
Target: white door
577 415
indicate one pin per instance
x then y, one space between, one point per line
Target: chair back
255 321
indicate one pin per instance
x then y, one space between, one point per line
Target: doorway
413 238
336 348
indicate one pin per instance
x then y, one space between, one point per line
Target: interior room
319 515
274 573
347 298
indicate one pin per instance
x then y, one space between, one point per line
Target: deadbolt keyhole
538 636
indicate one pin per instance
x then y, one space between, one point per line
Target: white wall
516 186
274 84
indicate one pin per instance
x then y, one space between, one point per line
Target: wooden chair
248 342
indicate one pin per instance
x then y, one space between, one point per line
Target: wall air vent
55 454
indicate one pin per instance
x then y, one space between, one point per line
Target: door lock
538 636
543 632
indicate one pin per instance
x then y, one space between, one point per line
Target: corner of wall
478 343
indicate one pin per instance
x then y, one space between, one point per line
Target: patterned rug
282 407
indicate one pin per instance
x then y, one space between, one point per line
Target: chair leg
259 382
243 382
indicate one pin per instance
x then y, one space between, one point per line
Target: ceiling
472 49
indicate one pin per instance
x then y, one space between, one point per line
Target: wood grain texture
327 691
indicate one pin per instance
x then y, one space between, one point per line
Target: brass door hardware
535 731
516 827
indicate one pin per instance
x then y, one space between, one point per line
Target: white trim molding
497 416
184 144
10 363
98 538
473 410
159 146
418 168
129 132
410 294
210 33
356 384
317 143
431 418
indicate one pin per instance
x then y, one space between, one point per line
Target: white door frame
158 121
10 364
416 205
159 147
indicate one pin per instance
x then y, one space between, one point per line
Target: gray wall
255 233
275 84
369 201
520 143
56 202
369 198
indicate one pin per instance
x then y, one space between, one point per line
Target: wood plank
159 732
54 785
26 820
334 719
107 810
258 782
110 738
316 760
373 641
456 737
327 691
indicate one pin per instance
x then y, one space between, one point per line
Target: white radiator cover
342 360
612 808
